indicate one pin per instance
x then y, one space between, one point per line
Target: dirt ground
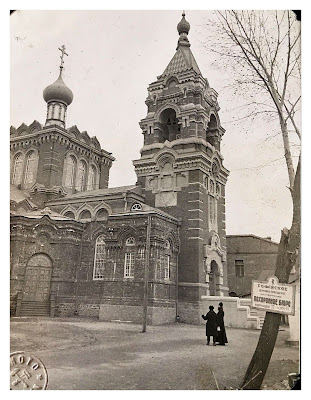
89 354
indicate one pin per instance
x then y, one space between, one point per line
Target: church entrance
36 291
214 284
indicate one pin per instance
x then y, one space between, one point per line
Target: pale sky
113 57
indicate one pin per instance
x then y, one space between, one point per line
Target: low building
249 257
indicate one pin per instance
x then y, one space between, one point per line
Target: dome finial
183 29
62 49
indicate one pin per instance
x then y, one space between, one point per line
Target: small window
205 182
136 207
130 241
167 244
172 83
239 268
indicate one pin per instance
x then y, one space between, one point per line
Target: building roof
36 214
182 61
18 196
267 239
100 192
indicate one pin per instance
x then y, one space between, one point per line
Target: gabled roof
182 61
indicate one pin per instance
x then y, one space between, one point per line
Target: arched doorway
37 279
214 279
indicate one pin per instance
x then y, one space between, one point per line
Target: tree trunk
287 253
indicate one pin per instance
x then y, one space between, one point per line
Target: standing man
211 325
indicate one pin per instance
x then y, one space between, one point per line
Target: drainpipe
177 313
77 271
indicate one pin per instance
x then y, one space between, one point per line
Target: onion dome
58 91
183 26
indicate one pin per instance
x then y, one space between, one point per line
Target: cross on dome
62 49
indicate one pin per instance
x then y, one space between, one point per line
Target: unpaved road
89 354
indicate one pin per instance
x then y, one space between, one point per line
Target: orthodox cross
62 49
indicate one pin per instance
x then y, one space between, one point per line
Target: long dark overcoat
211 323
221 335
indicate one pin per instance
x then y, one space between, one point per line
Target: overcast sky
113 57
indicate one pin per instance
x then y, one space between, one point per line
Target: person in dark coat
221 330
211 325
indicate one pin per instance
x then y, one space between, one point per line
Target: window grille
99 260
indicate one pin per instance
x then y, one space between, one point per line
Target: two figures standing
215 326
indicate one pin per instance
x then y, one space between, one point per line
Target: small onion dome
183 26
58 91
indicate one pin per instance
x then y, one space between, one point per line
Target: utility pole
147 259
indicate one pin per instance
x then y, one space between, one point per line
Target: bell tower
181 171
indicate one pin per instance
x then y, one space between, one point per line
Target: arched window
85 215
30 167
69 214
70 172
101 215
99 258
136 207
81 176
129 258
130 241
91 184
17 169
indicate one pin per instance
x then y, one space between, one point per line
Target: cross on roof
62 49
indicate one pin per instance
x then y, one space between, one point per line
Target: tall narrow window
70 172
166 260
167 266
213 212
17 170
99 259
91 184
239 268
129 262
30 168
81 176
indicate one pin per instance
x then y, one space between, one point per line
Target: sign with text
273 296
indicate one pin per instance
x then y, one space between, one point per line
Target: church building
79 247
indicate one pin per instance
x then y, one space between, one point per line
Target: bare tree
263 49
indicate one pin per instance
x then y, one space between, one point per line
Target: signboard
273 296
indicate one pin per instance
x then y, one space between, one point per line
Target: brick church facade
79 247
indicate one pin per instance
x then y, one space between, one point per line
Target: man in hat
211 325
